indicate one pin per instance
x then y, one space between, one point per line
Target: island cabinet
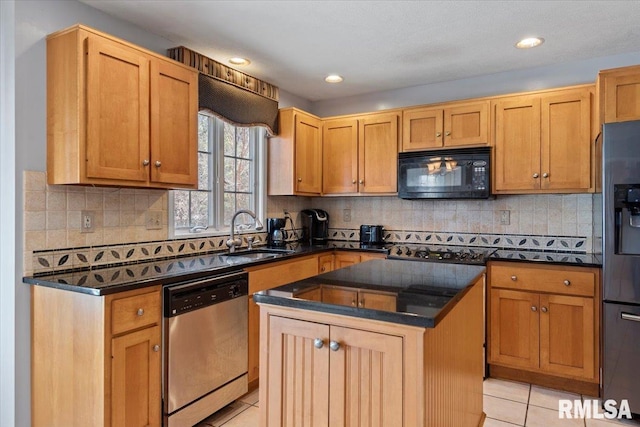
325 369
358 298
295 155
619 94
360 154
118 114
96 360
341 259
448 125
544 325
543 142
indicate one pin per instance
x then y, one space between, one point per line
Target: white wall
564 74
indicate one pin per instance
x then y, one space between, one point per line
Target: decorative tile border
574 244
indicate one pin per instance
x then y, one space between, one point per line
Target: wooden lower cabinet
324 369
326 263
362 299
346 259
96 360
548 329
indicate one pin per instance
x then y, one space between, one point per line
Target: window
231 176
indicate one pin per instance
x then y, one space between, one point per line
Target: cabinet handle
353 302
535 175
156 348
447 133
145 162
534 308
140 312
545 175
438 134
158 163
567 283
514 278
299 179
334 345
361 182
318 343
544 309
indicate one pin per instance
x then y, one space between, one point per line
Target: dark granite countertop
548 257
425 291
112 279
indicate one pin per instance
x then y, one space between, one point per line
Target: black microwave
463 173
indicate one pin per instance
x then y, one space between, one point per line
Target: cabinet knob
567 283
353 302
361 182
361 304
534 308
544 309
447 133
158 163
322 269
334 345
535 175
140 312
438 134
514 278
156 348
145 162
545 175
353 181
299 179
318 343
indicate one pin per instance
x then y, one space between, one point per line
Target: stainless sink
240 257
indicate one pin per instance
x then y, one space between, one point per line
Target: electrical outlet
87 221
153 220
346 215
505 217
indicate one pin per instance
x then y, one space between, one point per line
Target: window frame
258 140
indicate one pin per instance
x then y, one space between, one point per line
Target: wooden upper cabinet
543 142
619 94
378 153
458 124
295 155
340 156
118 114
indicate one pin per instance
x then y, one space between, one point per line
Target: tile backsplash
53 237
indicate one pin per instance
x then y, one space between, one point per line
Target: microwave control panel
480 176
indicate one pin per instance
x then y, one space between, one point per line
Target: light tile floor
506 403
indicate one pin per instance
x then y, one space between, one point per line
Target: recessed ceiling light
239 61
333 78
529 42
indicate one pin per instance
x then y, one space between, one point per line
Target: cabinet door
366 379
174 115
340 156
135 379
298 374
377 301
622 96
378 154
517 144
466 124
325 263
422 129
566 140
514 328
117 144
339 296
308 154
567 336
345 260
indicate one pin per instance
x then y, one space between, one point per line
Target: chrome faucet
233 241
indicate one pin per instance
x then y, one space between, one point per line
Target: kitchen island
386 342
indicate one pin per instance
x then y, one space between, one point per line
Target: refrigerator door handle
628 316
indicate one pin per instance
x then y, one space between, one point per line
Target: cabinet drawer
281 273
135 312
557 280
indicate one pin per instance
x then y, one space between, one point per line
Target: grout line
247 406
505 398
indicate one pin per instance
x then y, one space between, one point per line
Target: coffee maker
276 234
315 226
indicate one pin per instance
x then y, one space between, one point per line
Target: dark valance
237 105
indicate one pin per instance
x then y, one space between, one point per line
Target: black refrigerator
621 263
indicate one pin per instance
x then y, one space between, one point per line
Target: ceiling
383 45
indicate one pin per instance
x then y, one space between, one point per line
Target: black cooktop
442 253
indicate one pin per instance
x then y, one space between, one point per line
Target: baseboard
544 380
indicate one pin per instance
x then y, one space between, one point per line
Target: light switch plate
505 217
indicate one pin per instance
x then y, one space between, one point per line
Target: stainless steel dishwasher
205 347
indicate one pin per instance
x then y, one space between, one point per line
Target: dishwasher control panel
185 297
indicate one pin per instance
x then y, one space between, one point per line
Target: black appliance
445 174
371 235
315 226
443 253
276 234
621 262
